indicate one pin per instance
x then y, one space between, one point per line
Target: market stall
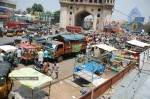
8 48
108 57
27 56
136 47
138 43
32 79
90 69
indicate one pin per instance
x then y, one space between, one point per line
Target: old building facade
73 12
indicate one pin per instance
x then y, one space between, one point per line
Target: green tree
29 10
40 8
37 7
56 16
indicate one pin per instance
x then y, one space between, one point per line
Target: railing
101 89
88 2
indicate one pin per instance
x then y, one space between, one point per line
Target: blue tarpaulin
72 37
91 67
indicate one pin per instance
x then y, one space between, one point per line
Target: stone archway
80 16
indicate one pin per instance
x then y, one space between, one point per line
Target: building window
99 9
95 1
100 1
90 1
77 8
69 19
76 0
92 10
81 0
98 15
71 7
70 13
72 0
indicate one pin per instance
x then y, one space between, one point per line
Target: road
65 67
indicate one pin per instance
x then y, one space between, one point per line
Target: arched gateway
73 12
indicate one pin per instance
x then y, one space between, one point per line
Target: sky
124 6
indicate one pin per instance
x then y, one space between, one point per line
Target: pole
49 88
32 94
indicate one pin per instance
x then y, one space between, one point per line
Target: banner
76 48
139 19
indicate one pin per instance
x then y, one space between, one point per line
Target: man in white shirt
19 55
2 56
41 56
55 69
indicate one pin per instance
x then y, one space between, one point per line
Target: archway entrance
83 19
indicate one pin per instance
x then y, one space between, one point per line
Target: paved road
66 67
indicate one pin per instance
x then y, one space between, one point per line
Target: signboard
139 19
134 13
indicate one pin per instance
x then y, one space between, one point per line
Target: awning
35 78
105 47
27 46
4 16
138 43
8 48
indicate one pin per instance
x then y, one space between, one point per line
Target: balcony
88 2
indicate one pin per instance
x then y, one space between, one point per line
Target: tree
29 10
57 13
56 16
37 7
40 8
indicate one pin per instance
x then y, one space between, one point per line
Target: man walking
40 56
45 55
18 55
55 69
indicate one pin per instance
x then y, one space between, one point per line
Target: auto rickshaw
5 81
10 33
19 32
32 30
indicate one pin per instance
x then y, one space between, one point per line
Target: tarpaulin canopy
72 37
27 46
105 47
8 48
26 76
138 43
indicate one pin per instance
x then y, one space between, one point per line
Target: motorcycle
39 67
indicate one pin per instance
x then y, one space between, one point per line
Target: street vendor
45 67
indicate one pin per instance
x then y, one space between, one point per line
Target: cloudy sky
124 6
